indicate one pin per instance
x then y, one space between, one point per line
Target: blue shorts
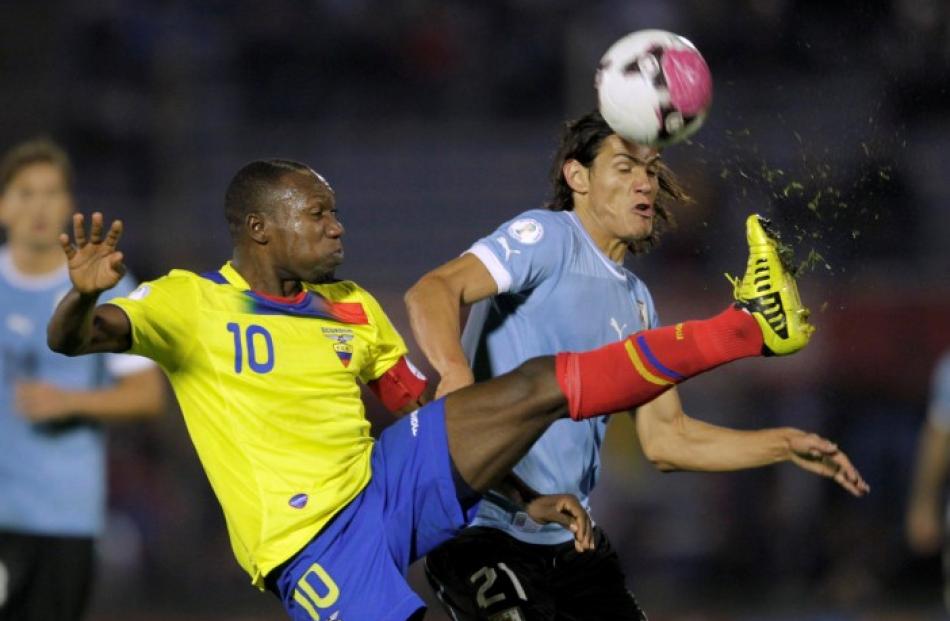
355 568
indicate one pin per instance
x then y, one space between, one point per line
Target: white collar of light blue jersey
613 266
29 282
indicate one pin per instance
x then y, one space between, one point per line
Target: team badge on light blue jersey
526 230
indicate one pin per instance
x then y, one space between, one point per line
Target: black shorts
487 575
43 578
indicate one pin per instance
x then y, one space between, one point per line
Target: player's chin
640 230
42 241
324 271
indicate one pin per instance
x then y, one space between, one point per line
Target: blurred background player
926 513
52 462
554 280
270 394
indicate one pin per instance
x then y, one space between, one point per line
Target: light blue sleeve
939 410
524 251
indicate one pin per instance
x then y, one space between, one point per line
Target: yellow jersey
269 391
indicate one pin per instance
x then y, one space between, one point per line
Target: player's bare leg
491 425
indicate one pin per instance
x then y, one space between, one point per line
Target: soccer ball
653 87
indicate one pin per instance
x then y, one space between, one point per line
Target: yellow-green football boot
768 292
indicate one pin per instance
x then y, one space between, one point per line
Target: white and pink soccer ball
653 87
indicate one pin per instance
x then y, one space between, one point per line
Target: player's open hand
823 457
94 263
566 510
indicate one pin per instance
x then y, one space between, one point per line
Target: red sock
631 372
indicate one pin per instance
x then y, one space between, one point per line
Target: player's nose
336 228
642 182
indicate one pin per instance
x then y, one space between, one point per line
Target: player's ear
576 175
255 225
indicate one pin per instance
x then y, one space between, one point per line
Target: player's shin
629 373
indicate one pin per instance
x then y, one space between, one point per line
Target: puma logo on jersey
617 327
508 251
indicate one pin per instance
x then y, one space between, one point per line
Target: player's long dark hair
581 140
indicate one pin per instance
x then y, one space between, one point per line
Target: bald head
258 187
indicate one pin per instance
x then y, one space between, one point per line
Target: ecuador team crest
342 345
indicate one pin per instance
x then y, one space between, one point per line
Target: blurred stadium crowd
434 121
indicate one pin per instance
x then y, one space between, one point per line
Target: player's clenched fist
94 263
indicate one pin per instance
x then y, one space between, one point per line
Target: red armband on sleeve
402 384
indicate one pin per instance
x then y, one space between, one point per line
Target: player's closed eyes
651 170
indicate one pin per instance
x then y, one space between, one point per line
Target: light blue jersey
557 292
52 475
939 411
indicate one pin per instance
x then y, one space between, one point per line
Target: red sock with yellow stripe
631 372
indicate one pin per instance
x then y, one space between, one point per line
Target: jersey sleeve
387 348
120 365
161 314
939 411
400 386
524 251
389 373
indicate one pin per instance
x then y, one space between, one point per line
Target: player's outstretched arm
434 304
78 326
671 440
136 395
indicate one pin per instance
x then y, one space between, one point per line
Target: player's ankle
730 335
